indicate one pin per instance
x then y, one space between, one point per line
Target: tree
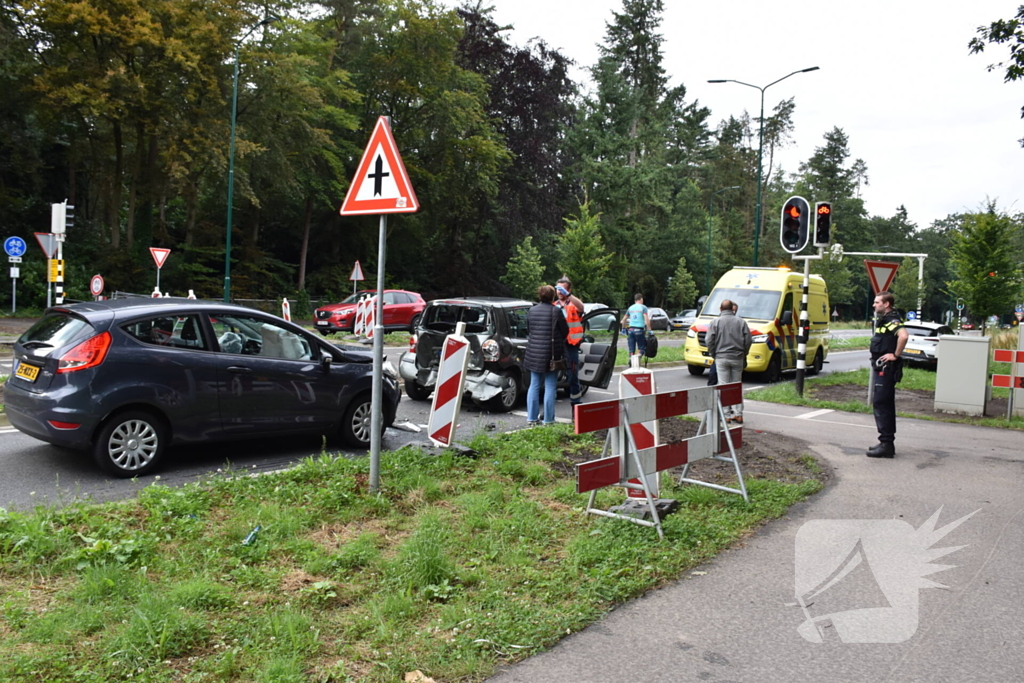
1011 33
984 263
907 288
581 256
525 272
683 292
838 279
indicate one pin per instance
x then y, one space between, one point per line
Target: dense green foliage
123 107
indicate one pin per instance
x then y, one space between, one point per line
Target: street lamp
760 148
231 155
711 208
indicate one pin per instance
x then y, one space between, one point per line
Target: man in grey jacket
728 340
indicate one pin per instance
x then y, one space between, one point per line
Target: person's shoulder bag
555 363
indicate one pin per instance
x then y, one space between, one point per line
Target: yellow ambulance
769 300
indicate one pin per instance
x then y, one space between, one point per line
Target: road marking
8 430
797 417
602 391
816 413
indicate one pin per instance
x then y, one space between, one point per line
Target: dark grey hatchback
127 378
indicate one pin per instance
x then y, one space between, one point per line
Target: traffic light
822 224
69 215
796 217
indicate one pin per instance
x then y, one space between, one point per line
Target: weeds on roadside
457 565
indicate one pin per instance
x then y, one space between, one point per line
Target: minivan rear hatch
439 321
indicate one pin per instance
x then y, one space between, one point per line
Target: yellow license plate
29 372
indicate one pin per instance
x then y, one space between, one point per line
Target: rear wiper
36 345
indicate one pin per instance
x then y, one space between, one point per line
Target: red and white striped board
685 452
1007 356
592 417
451 383
155 294
191 295
286 310
633 383
357 324
369 317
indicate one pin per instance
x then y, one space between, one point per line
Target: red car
402 311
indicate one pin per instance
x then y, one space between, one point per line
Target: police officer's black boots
882 450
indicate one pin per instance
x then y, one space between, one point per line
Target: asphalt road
38 473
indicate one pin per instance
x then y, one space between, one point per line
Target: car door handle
239 369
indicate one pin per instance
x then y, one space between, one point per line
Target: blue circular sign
14 246
911 315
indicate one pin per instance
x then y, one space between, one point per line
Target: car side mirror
325 360
787 317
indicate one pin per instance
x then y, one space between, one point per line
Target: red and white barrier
191 295
370 317
286 310
451 383
156 293
357 323
640 382
624 459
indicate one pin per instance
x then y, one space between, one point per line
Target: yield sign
159 255
357 272
881 274
381 184
48 241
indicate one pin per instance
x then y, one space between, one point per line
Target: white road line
601 391
796 417
816 413
10 430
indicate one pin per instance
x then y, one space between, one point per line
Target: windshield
754 304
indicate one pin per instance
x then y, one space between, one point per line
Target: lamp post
760 148
231 156
711 209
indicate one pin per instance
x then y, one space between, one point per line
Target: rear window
443 317
55 331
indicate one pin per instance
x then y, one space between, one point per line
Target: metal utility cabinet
961 382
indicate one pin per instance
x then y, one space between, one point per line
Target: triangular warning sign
357 272
159 255
881 274
381 184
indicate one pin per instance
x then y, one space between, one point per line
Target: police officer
886 370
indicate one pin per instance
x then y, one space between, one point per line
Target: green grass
456 566
849 343
666 354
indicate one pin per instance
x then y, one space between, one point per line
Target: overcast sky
937 131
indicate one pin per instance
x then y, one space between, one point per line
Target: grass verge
456 566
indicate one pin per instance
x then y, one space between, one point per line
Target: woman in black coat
545 342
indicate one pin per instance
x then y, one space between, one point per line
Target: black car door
270 379
599 347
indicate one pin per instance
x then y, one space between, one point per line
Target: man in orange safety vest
572 308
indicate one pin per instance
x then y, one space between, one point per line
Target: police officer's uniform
885 378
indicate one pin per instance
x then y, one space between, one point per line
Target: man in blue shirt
637 321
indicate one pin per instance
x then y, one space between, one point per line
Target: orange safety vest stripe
572 316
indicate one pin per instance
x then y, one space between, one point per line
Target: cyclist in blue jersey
637 321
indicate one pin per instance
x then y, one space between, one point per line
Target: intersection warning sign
381 184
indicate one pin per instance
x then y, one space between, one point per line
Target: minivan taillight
88 354
412 343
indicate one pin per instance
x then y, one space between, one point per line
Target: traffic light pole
805 326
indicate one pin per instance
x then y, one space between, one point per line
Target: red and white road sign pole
448 390
356 276
159 257
286 310
381 186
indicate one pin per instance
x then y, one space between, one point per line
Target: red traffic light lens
793 211
824 210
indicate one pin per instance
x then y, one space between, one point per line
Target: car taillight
490 350
88 354
412 343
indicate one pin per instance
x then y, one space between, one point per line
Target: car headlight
691 333
490 350
389 369
760 338
344 314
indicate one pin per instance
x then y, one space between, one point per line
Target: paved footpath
738 622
